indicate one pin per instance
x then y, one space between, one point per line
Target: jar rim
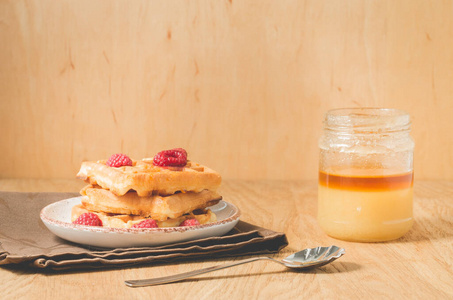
367 120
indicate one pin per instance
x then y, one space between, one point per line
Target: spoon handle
178 277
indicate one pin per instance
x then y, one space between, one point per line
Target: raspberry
171 158
190 222
148 223
119 160
88 219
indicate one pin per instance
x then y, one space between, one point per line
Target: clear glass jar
365 190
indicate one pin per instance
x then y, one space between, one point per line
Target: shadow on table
334 267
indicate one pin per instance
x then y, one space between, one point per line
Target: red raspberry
148 223
88 219
119 160
171 158
190 222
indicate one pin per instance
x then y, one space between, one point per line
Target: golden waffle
147 179
127 221
157 207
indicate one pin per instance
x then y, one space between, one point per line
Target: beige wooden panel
242 85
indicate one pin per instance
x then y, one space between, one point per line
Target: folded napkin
24 239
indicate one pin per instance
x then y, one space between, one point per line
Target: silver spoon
308 258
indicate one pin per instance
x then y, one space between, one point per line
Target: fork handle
181 276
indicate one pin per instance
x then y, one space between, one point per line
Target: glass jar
365 189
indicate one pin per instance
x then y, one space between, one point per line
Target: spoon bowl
313 257
308 258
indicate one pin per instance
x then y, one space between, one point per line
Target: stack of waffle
127 195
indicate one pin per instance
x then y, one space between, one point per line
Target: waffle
146 179
127 221
127 195
160 208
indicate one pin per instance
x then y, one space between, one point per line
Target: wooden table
419 265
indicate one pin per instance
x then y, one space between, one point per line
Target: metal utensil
308 258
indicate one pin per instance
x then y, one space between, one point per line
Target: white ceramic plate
57 218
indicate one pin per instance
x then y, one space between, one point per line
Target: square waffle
160 208
127 221
146 179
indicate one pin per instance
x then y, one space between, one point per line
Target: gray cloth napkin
24 239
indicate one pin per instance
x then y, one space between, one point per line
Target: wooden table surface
419 265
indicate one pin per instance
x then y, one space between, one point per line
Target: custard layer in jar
365 208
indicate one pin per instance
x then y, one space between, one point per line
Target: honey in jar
365 190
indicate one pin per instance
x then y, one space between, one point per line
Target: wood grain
417 266
242 85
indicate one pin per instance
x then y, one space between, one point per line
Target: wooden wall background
242 85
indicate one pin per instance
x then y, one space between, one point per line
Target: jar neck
367 121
